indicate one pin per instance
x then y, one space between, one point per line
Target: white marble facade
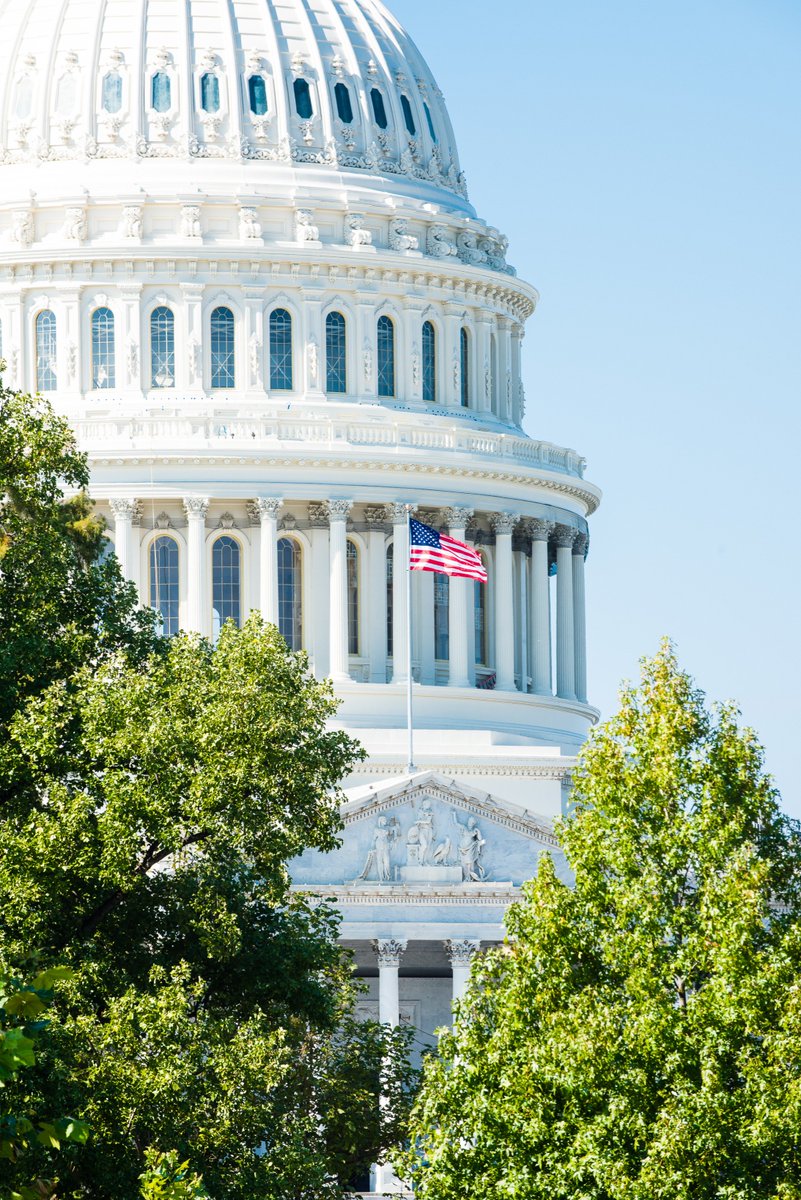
237 251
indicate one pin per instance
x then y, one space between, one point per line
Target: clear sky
645 161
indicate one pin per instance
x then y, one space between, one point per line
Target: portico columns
400 609
377 594
579 617
338 511
126 512
389 952
565 536
195 508
267 510
458 676
540 607
461 954
503 525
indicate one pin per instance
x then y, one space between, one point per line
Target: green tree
637 1038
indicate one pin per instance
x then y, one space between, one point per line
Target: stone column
504 368
483 365
539 608
461 954
389 952
126 546
317 626
254 340
523 604
400 614
196 508
503 525
265 510
458 593
377 594
338 511
133 375
193 315
565 536
580 617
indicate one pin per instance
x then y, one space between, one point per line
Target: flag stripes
444 555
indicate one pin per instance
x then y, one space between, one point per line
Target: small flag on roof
432 551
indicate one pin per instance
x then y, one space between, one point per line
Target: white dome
299 85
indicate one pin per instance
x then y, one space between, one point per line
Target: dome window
303 100
46 352
290 593
344 106
281 370
336 373
257 94
222 349
379 110
112 92
429 363
386 357
165 584
210 92
430 121
408 116
162 347
23 104
226 585
103 374
161 92
464 356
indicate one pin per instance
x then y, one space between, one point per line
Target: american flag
432 551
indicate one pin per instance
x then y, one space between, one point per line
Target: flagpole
411 768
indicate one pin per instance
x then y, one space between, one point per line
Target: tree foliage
637 1038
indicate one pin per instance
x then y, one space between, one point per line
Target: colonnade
537 632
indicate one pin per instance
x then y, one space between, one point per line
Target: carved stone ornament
190 221
305 229
581 544
264 508
249 224
367 363
356 234
389 951
22 231
132 359
416 367
462 951
72 361
400 512
131 225
468 249
471 843
439 243
227 521
125 509
318 516
564 536
196 508
193 357
75 225
376 516
456 518
163 521
378 866
504 522
312 359
339 510
538 529
289 522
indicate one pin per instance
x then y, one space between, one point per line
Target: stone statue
420 841
471 847
378 859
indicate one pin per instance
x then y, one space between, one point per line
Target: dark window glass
344 106
257 93
46 352
353 599
386 357
112 92
429 362
379 111
103 373
390 597
464 354
165 583
290 613
480 618
280 351
210 92
226 585
407 115
336 373
162 348
430 121
160 92
222 348
441 617
303 100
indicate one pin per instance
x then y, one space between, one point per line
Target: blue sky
645 161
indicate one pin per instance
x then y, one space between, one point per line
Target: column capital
504 522
581 545
462 951
264 507
401 511
318 516
389 951
376 516
538 529
565 536
456 518
129 508
196 507
338 510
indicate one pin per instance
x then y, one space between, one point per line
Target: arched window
161 92
210 92
303 100
46 351
165 583
480 619
257 94
379 109
442 594
103 367
280 351
226 583
386 356
464 355
67 94
290 591
407 116
430 121
162 347
222 348
353 598
429 362
112 92
344 106
336 366
390 598
23 102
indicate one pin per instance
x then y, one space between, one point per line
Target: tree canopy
637 1037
